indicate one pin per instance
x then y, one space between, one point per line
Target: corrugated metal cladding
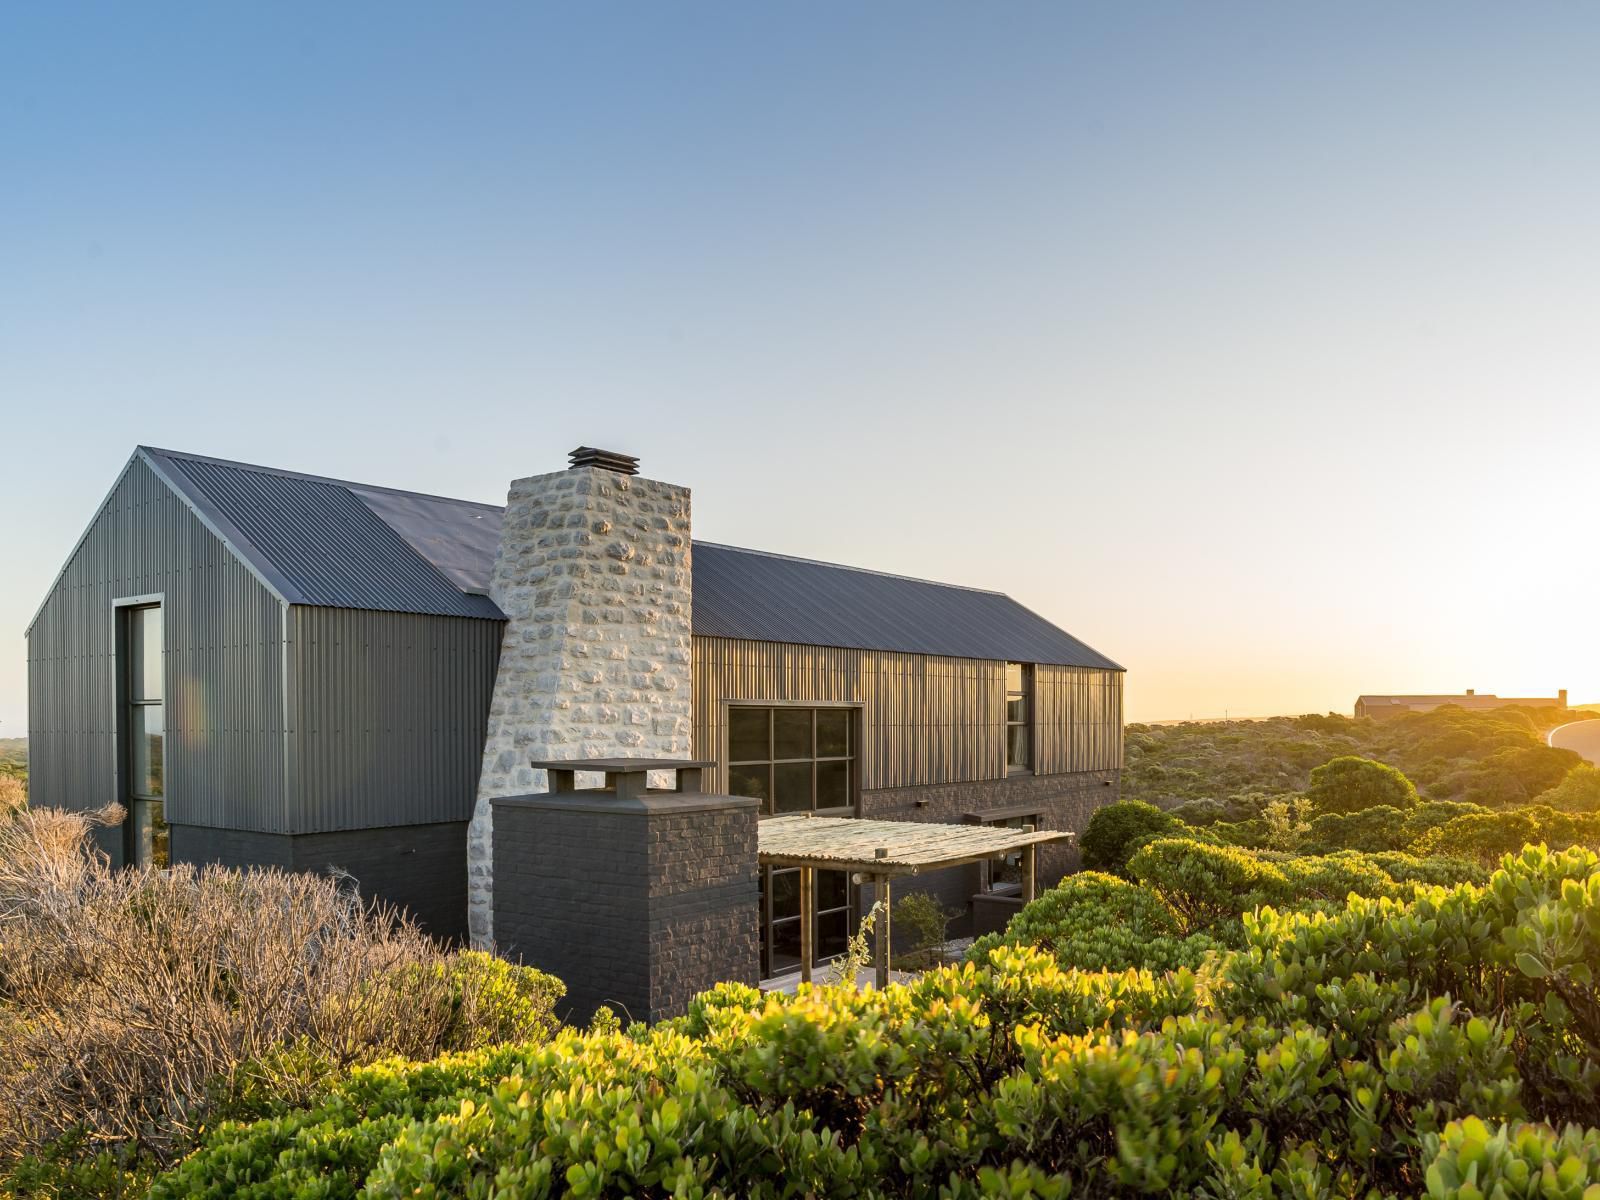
223 666
388 714
348 545
760 597
925 719
330 547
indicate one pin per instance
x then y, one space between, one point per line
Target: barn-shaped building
268 667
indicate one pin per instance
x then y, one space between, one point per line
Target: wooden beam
1030 873
808 921
880 899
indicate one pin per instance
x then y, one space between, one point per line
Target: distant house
266 667
1389 706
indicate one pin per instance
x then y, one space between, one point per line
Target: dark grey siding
420 868
388 714
224 663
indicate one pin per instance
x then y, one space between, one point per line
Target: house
268 667
1389 706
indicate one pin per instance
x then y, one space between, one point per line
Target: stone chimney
1561 697
593 574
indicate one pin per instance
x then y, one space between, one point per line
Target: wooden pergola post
880 900
808 920
1030 862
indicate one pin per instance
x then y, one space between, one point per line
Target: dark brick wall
704 897
1062 802
421 868
638 904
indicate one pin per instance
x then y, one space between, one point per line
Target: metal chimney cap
605 460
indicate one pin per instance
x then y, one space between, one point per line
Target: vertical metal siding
1078 719
925 719
222 669
388 714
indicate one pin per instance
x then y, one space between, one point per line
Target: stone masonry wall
593 576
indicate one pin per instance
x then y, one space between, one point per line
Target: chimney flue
605 460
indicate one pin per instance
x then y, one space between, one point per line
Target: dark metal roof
330 542
773 598
317 539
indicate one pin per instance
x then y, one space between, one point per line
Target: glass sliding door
796 760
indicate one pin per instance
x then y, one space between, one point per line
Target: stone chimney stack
593 574
1561 697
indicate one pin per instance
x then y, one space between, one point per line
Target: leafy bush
1349 784
1097 922
1204 886
129 1000
1396 1047
1486 837
1115 831
1578 792
929 924
1381 828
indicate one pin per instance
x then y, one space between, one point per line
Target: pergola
880 851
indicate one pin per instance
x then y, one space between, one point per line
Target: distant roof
340 544
1462 699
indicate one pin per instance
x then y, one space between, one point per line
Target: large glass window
143 682
1019 716
793 759
796 760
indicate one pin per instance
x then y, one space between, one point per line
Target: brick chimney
593 574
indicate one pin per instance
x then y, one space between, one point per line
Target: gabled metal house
325 687
320 659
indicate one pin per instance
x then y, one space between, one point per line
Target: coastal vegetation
1358 963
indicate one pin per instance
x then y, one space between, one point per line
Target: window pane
144 745
144 654
1017 708
786 893
1017 746
791 733
750 781
833 889
747 735
833 784
792 787
833 933
785 953
1014 677
833 731
160 836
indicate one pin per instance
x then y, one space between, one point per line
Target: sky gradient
1255 345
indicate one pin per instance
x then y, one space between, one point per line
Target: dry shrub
126 995
13 794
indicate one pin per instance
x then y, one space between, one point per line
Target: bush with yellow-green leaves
1446 1044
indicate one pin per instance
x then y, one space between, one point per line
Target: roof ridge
185 456
818 562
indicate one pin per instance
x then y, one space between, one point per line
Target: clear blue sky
1255 344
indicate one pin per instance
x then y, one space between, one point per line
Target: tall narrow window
147 828
1019 716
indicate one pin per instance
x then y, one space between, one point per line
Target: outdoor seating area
878 852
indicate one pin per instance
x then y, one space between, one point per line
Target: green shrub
1487 837
1349 784
1204 886
1116 831
1097 922
1380 829
1578 792
1396 1047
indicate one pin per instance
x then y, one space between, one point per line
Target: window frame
145 838
853 711
1018 817
1026 723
